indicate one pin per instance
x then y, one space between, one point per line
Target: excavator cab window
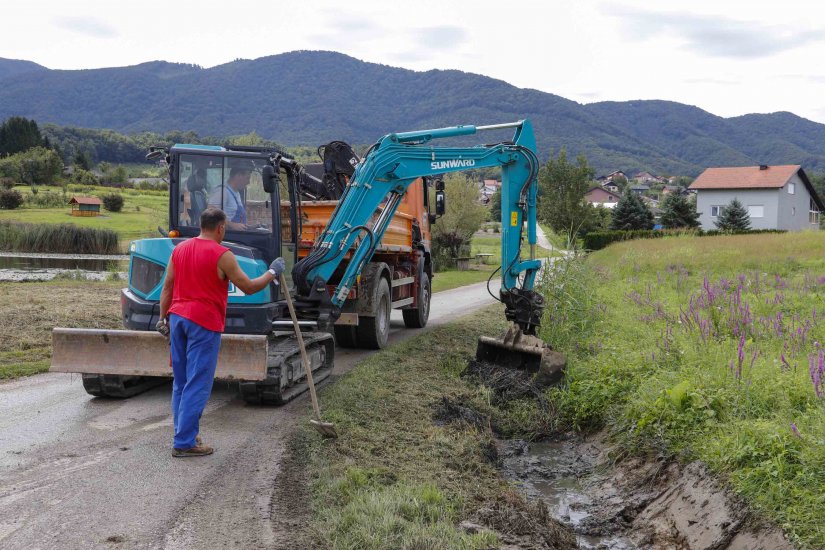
232 184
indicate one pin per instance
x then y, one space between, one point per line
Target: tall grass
62 238
711 348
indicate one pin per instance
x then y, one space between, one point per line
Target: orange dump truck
398 276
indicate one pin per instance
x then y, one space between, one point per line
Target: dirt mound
456 409
696 512
507 383
524 525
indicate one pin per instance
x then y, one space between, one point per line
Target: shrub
113 202
84 177
10 199
47 199
6 183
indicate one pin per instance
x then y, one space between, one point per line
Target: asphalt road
84 472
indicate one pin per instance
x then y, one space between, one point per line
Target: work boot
197 450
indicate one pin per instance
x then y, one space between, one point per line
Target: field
143 211
705 348
31 310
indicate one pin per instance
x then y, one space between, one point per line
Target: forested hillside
309 98
13 67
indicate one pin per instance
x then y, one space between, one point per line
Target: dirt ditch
644 503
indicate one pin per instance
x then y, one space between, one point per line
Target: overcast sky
728 57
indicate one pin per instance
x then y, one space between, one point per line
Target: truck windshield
232 184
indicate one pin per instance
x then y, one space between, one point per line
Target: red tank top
198 293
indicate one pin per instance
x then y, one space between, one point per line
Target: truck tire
346 336
373 332
417 317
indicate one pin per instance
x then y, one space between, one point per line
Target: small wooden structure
85 206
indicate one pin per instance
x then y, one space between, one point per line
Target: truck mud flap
134 353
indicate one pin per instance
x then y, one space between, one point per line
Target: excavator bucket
517 350
135 353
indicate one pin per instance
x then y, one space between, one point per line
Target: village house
488 188
640 188
599 195
647 177
776 197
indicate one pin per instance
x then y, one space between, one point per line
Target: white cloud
88 26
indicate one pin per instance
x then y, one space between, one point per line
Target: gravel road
83 472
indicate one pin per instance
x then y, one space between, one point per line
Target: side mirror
439 202
270 178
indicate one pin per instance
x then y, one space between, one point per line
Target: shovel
326 429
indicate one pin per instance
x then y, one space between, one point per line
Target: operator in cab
192 316
229 196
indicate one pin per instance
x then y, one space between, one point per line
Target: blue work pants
194 359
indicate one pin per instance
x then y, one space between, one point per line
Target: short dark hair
212 217
235 170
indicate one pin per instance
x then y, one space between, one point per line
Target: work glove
277 267
163 328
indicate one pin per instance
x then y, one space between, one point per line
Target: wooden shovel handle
307 366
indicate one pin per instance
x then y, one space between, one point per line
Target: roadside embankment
408 471
705 349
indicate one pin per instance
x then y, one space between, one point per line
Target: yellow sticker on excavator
513 219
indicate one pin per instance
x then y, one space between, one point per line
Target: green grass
32 310
60 238
700 347
446 280
393 478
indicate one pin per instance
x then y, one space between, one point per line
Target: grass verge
31 310
445 280
706 348
395 479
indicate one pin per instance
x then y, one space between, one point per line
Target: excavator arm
380 181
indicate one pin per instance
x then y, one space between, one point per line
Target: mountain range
312 97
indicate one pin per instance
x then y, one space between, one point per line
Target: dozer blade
520 351
144 353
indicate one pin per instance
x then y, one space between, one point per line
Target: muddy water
43 267
554 472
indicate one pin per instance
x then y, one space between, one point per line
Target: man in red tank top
192 315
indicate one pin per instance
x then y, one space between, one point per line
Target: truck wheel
346 336
417 317
373 332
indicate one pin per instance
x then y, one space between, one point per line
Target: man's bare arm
228 263
166 293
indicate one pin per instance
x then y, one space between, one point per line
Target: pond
20 266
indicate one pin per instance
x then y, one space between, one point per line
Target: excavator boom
380 181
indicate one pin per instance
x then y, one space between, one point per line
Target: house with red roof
776 197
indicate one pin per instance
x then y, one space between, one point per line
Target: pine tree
734 217
18 134
679 212
82 160
631 213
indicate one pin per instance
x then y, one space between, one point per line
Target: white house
777 197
